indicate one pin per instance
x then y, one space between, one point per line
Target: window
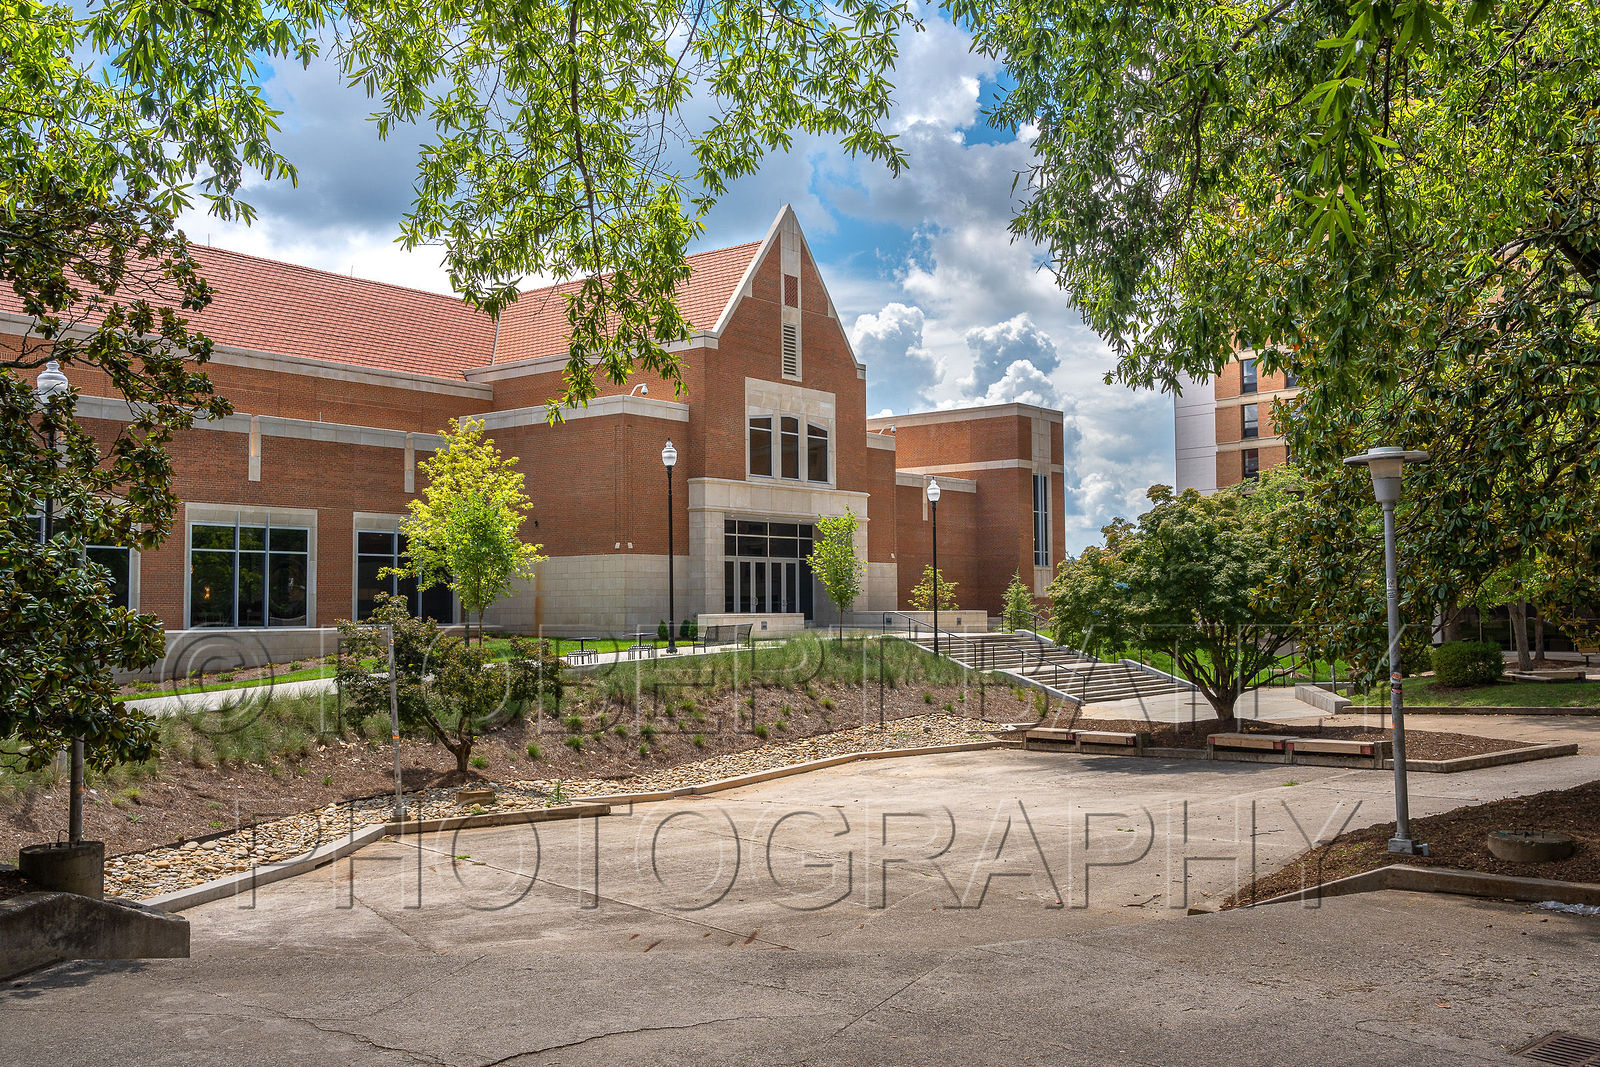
1290 379
1252 464
379 550
816 452
117 561
761 445
1247 376
1041 520
790 442
1252 424
248 575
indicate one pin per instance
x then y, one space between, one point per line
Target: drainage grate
1568 1050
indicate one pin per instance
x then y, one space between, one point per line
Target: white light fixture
933 491
640 390
51 381
1384 464
669 455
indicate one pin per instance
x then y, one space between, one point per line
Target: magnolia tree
464 531
834 561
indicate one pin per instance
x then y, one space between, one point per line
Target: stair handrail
918 623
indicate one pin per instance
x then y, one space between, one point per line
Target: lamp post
933 508
669 459
52 383
1385 465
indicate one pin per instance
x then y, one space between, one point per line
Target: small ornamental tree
1019 604
464 531
922 592
833 559
444 687
1207 580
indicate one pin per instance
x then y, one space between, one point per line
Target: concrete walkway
216 699
902 911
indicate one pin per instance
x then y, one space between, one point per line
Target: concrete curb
1445 880
247 881
1489 759
796 768
576 810
1451 709
1308 759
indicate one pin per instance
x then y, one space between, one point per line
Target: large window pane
289 540
369 585
211 588
761 445
252 588
791 447
211 537
372 543
437 604
253 538
286 596
816 452
118 565
730 584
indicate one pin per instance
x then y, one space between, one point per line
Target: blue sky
941 304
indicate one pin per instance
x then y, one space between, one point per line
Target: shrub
689 629
699 740
574 742
661 629
644 750
761 730
535 753
1459 664
478 762
1018 604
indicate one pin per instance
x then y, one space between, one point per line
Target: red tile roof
297 311
271 306
536 325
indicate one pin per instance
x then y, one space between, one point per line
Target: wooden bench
1588 653
1080 740
1340 751
1263 744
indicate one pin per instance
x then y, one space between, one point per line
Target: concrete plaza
900 911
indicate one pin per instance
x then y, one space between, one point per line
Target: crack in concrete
620 1033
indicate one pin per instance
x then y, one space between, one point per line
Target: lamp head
1385 464
51 382
933 491
669 455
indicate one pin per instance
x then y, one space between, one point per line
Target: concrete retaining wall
38 929
1324 700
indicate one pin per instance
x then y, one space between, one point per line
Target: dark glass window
1041 520
1252 463
816 452
118 563
1247 376
1290 379
1252 423
248 575
761 445
791 447
378 551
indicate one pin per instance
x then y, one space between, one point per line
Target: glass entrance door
764 568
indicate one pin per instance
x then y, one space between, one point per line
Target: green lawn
1421 692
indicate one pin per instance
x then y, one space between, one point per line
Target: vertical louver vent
791 350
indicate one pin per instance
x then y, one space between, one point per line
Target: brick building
292 505
1223 431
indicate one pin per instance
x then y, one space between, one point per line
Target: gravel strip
146 874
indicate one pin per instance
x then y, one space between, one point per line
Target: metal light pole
933 508
669 459
394 733
1385 465
52 383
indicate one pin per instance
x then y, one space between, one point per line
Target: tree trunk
1519 635
1538 637
462 755
1450 613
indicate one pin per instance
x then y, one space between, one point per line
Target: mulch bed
184 801
12 884
1420 744
1457 839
